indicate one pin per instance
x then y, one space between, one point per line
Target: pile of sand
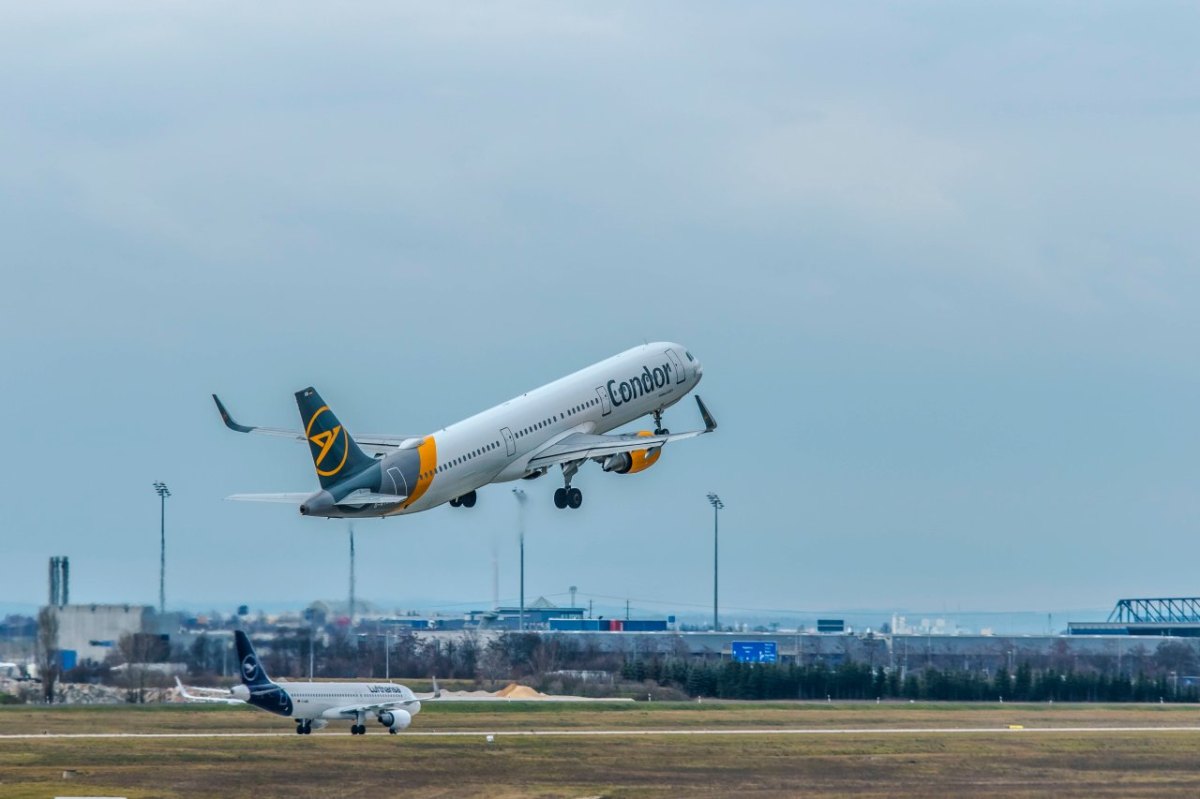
516 691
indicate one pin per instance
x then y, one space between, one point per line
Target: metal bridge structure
1157 610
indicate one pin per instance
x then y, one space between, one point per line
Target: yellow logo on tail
325 440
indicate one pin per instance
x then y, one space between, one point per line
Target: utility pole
520 495
717 505
352 578
163 492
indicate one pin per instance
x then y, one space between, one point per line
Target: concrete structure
93 631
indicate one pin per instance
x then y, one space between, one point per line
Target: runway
499 734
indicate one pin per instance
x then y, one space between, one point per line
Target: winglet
227 419
710 424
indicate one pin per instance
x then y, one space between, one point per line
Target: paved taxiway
813 731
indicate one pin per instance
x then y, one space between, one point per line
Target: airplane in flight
314 704
565 423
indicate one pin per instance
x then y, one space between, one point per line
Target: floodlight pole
717 504
163 492
520 495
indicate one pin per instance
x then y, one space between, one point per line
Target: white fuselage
497 444
327 700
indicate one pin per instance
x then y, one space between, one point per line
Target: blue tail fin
253 674
334 453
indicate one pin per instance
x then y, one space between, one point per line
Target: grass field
332 762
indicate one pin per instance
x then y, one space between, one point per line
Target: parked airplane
564 423
314 704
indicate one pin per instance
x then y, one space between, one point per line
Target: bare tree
48 661
136 650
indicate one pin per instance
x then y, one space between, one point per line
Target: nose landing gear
659 430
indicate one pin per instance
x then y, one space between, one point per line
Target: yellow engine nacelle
632 462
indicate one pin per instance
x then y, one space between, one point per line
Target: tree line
859 681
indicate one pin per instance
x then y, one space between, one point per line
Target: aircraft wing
581 446
207 695
288 499
373 443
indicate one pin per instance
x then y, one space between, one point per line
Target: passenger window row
520 434
475 453
524 431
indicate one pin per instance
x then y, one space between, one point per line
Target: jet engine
395 719
632 462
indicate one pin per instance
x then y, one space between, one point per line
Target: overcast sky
940 263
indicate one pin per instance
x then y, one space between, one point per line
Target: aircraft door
399 484
510 444
605 404
677 365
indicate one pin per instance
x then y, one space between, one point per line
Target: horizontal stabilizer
291 499
215 695
374 443
364 497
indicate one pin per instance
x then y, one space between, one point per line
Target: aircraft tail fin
253 674
335 454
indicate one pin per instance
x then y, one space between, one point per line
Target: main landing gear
465 501
567 497
659 430
358 729
304 727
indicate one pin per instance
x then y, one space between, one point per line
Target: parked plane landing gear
659 430
568 498
465 501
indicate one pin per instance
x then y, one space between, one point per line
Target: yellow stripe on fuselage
427 450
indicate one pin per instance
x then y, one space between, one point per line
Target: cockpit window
690 358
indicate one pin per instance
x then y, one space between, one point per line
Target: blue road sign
755 651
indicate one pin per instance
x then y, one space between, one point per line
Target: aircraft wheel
299 729
662 431
574 498
467 500
454 503
393 732
560 498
